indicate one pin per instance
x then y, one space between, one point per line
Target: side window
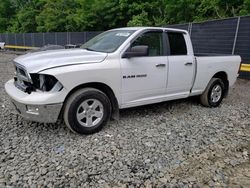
154 42
177 44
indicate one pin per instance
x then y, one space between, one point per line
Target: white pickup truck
117 69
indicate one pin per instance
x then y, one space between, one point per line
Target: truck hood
38 61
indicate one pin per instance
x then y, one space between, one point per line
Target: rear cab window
177 43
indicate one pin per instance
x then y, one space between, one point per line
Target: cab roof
145 28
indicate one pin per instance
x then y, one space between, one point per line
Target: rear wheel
214 93
87 111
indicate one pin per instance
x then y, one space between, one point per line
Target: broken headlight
45 82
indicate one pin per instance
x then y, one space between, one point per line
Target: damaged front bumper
38 106
39 113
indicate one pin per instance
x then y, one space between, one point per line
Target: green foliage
6 12
245 8
55 15
140 20
80 15
221 9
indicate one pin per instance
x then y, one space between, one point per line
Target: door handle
188 63
160 65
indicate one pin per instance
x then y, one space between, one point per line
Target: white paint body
74 67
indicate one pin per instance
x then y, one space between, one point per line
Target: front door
145 78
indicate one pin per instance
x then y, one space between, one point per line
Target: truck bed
207 65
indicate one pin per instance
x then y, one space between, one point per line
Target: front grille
22 78
21 73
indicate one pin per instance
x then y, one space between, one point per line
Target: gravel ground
172 144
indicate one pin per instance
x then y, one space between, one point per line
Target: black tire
74 104
206 98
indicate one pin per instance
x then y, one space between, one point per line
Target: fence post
67 38
85 36
15 39
7 38
32 39
190 28
70 37
236 35
23 39
43 39
56 38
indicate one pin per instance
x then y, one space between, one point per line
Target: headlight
45 82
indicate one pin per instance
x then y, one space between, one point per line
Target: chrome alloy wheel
90 112
216 93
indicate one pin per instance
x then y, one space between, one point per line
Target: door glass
177 44
154 42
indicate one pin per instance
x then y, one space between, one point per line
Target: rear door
145 78
181 64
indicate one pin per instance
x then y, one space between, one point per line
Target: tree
217 9
82 15
24 18
140 20
54 16
6 12
245 8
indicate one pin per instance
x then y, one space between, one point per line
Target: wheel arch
105 89
223 76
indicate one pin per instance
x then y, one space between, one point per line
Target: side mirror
136 51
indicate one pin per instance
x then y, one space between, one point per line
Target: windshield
108 41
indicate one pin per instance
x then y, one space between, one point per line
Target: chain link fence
42 39
226 36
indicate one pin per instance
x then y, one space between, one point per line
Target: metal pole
15 39
7 38
56 38
190 29
23 39
236 35
32 39
43 39
85 36
67 37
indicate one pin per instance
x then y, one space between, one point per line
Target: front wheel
214 93
87 111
